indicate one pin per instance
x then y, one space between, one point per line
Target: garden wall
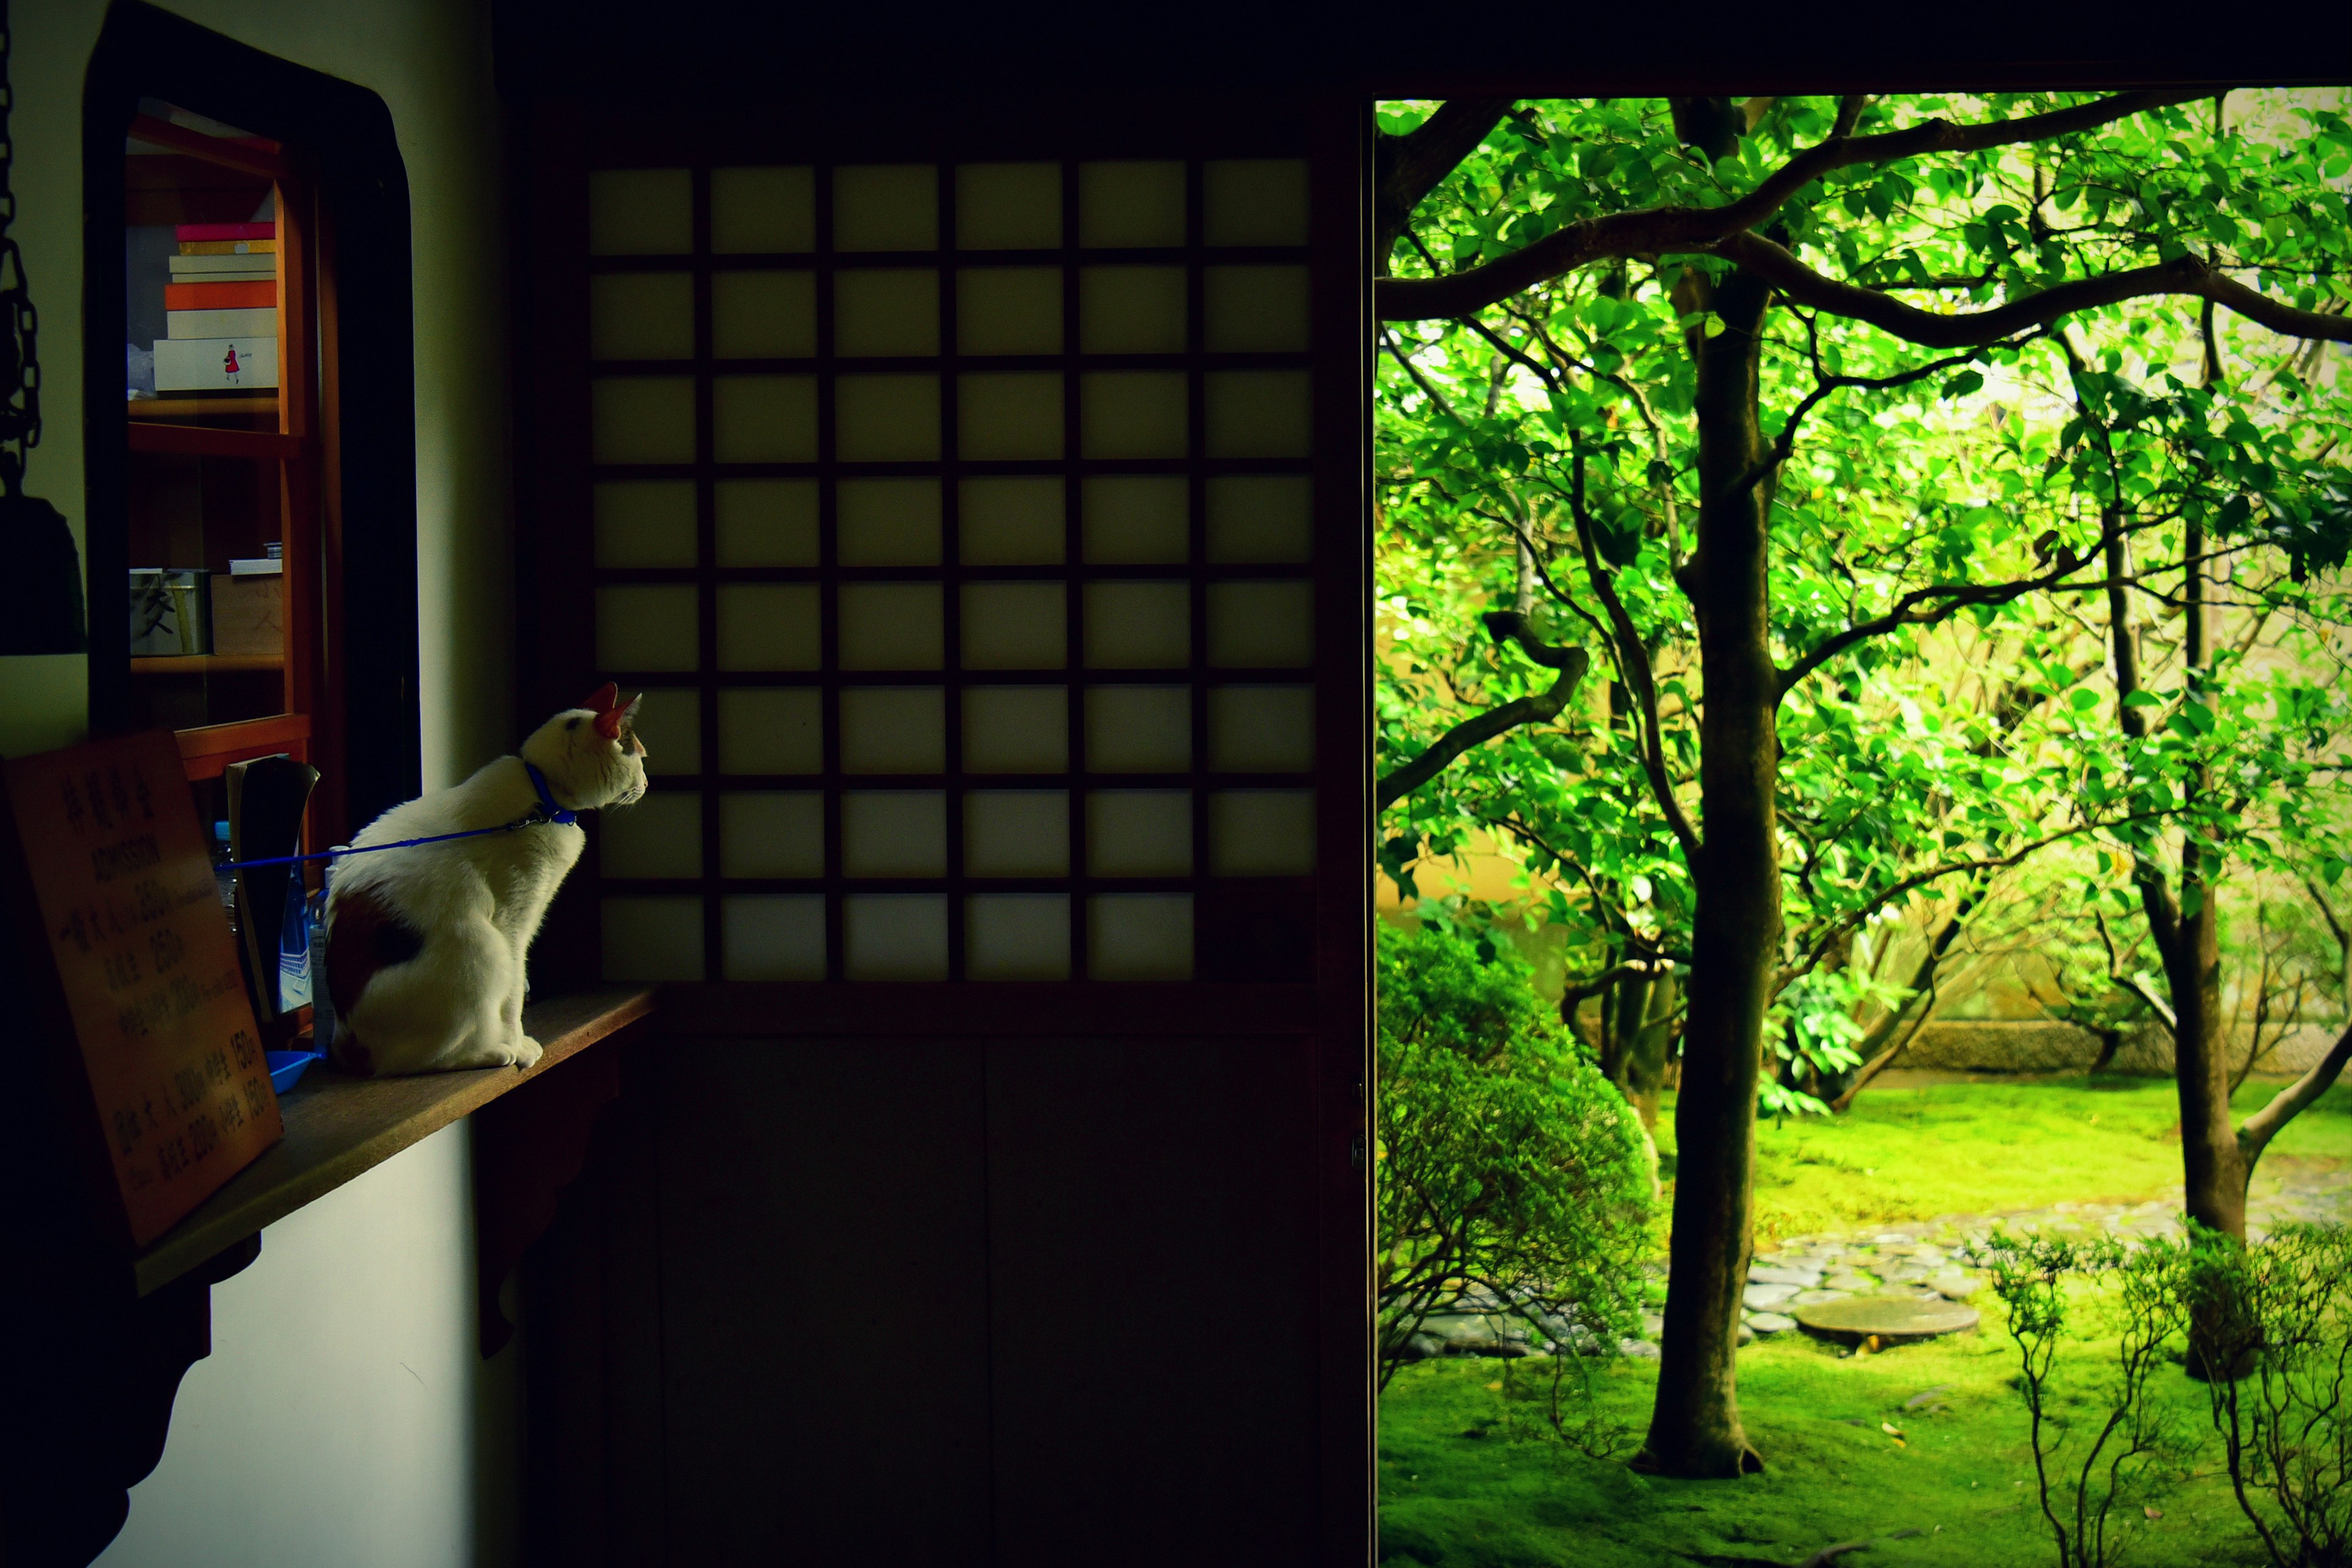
1989 1045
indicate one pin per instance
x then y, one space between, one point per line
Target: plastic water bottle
322 1001
294 946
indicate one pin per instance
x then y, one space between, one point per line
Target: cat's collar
555 813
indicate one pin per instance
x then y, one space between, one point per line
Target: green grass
1459 1489
1469 1478
1980 1148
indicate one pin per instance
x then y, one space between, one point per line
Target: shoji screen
957 519
976 491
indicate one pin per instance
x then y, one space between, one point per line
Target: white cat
426 945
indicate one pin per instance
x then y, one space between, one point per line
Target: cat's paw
527 1052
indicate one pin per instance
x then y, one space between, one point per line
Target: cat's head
591 754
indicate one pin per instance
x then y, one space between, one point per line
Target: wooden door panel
823 1276
1152 1330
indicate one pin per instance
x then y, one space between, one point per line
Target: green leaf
1618 539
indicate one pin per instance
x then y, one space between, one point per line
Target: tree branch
2132 982
2335 929
1504 626
1634 661
2184 274
1885 1058
2140 988
1956 596
1923 983
2256 1131
1584 990
1823 384
1920 880
1408 167
1654 230
1396 351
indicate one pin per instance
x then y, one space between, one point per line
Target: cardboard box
249 615
168 612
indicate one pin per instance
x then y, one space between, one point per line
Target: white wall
333 1422
344 1416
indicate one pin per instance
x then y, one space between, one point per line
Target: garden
1862 707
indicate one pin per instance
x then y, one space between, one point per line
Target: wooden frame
1322 1015
295 450
344 201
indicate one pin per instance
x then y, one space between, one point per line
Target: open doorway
1861 590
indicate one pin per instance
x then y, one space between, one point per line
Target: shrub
2282 1316
2125 1451
2267 1328
1510 1180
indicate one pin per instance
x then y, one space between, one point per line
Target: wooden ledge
337 1126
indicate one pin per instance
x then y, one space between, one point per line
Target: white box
202 364
219 269
251 321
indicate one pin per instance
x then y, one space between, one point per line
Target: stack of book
221 306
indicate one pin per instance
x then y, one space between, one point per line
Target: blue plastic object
287 1067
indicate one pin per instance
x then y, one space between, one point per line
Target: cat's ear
608 697
615 718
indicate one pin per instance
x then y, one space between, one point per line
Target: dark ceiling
694 51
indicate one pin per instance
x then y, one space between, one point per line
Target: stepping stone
1956 1287
1812 1297
1781 1273
1772 1322
1852 1284
1640 1350
1895 1319
1761 1298
1460 1333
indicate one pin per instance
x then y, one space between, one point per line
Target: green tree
1624 288
2258 523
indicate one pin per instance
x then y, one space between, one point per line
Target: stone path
1926 1261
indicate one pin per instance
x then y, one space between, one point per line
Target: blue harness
545 811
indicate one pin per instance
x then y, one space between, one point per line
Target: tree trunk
1695 1429
2187 933
1641 1064
2213 1166
2214 1171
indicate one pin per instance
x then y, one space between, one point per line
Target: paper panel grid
956 518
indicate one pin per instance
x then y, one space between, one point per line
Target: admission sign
147 971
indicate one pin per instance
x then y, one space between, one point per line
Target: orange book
220 296
228 246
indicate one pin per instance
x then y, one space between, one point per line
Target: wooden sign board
148 971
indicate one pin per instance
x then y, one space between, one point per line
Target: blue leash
546 812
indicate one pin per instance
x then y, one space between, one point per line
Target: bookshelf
201 664
227 533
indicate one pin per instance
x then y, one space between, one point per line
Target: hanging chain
20 364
